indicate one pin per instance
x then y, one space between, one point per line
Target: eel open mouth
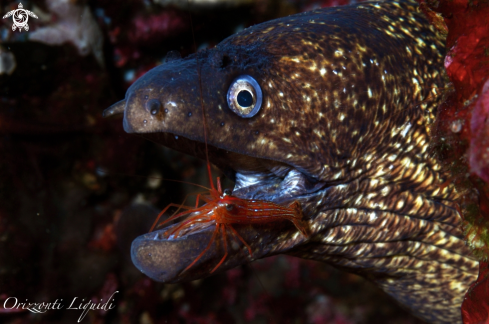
164 259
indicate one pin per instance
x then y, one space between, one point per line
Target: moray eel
331 108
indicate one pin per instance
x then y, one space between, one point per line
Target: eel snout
115 109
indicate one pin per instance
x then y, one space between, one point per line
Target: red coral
479 144
467 65
467 61
475 308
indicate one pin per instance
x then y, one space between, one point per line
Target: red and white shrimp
224 210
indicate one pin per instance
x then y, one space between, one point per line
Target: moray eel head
331 108
165 106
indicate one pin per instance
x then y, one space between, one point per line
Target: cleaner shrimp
224 209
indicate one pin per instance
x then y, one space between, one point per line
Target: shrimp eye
153 106
245 96
230 207
227 192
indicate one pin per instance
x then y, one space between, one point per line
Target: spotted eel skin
349 95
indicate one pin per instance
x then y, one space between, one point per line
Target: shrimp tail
299 221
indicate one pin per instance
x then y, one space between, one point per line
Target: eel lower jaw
166 259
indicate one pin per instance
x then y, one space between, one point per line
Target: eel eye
245 96
153 106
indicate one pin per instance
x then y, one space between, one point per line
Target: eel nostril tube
153 106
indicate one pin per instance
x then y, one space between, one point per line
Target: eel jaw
164 259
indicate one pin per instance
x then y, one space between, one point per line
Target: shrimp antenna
201 99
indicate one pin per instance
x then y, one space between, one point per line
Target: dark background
75 189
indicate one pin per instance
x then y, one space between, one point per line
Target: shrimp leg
169 219
213 238
241 239
225 242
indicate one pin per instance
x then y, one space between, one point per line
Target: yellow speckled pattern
349 95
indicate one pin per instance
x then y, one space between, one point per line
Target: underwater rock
74 24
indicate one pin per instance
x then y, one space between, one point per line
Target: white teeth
270 186
246 180
293 183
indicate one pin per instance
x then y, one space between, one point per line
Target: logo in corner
20 17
